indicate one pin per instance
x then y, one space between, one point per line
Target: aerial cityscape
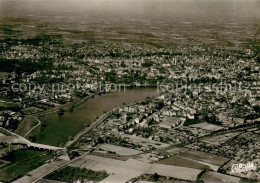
127 91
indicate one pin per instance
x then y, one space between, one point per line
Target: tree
100 140
159 105
155 177
73 154
257 109
71 108
61 112
123 64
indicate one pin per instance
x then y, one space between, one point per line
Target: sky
168 9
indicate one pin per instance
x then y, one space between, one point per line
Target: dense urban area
128 100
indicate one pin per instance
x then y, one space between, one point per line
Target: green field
21 162
72 174
192 122
26 124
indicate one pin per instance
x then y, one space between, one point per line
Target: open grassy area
72 174
31 110
21 162
27 123
20 155
192 122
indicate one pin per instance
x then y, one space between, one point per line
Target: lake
60 128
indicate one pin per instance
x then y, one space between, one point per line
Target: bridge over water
16 139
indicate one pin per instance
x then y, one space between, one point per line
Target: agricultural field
176 150
72 174
34 174
217 140
121 171
211 160
177 172
207 126
182 162
218 177
21 162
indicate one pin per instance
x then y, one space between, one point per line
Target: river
60 128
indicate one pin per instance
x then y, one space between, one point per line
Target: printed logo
241 167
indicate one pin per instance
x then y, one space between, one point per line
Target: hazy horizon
167 9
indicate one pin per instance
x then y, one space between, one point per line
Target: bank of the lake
59 128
